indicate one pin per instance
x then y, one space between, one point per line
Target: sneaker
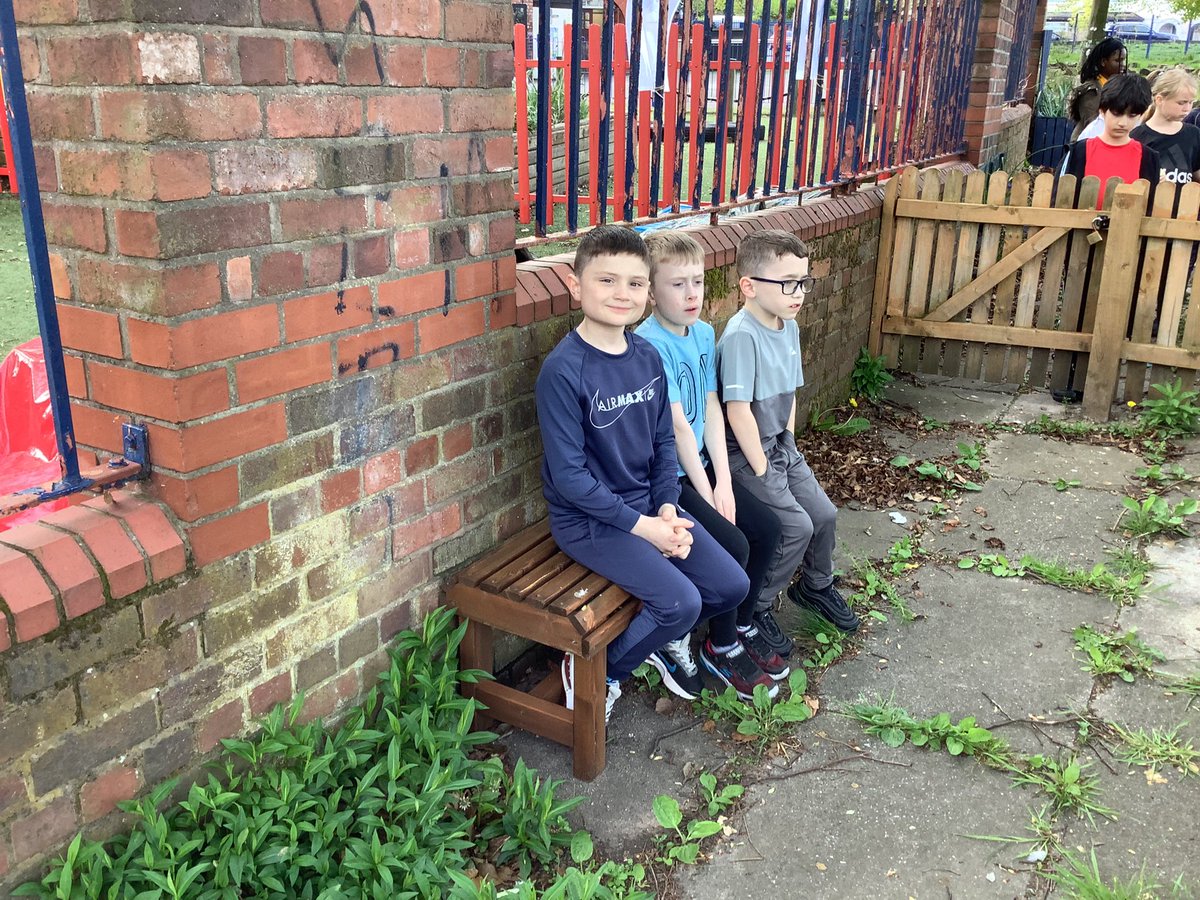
764 657
677 668
737 670
611 695
828 603
568 678
772 634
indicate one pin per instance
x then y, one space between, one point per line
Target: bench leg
477 652
588 720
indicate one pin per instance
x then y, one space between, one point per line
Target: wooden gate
1012 281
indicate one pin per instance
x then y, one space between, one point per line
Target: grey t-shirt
762 366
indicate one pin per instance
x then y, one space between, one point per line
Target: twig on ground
656 746
832 766
1035 725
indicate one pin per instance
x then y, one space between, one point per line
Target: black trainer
774 636
828 602
677 668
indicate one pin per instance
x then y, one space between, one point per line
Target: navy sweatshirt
606 432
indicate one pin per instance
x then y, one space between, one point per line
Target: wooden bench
529 588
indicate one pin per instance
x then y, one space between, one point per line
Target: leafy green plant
1110 654
894 725
828 640
903 555
1124 583
1068 783
763 720
929 423
718 800
994 564
970 455
683 846
531 821
387 804
1173 412
1188 685
1157 748
828 421
1081 879
1166 475
609 881
1065 484
876 587
1155 515
935 472
870 377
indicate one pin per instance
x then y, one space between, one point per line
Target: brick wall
1012 140
985 107
281 237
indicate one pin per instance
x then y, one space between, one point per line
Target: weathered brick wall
1013 138
989 74
281 237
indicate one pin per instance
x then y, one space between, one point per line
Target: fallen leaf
821 867
986 527
981 511
739 738
1152 777
663 706
812 703
708 726
949 525
994 543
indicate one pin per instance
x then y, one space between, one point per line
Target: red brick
59 117
490 111
443 66
106 59
106 173
198 446
340 490
31 62
327 263
464 322
76 377
165 57
269 694
280 273
457 441
381 471
208 229
203 340
364 63
145 288
90 330
100 797
485 22
71 225
404 65
309 115
282 372
223 722
314 62
45 12
199 497
51 826
426 531
160 542
410 112
420 455
97 427
157 395
475 280
429 154
300 219
144 116
239 280
377 347
218 59
27 595
499 156
229 534
180 175
412 248
263 60
371 256
260 168
137 233
68 568
503 311
415 293
121 561
410 206
309 317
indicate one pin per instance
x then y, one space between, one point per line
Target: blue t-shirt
606 432
691 369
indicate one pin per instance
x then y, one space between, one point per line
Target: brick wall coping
78 559
541 286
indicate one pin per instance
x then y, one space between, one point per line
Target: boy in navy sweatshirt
609 469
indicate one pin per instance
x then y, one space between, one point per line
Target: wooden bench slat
524 564
599 639
564 581
511 549
523 586
583 593
528 712
515 618
594 614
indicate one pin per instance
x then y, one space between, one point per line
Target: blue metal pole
721 139
764 37
702 125
572 138
681 106
39 258
635 53
1150 36
792 95
545 179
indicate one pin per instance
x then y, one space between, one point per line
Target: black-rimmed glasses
790 285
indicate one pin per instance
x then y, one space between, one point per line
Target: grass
1111 654
18 317
1158 749
1080 879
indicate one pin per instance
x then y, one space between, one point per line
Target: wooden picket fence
1015 281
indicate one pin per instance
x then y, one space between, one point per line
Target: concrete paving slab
1008 638
927 445
1149 705
867 534
871 830
1031 457
1169 618
1032 406
950 403
618 812
1072 527
1155 829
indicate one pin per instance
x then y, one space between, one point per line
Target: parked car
1134 33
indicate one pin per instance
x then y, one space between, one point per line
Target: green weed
935 472
1110 654
876 587
1188 685
531 821
1173 412
718 801
1068 783
1166 475
1080 879
870 377
903 555
763 721
1064 484
1122 587
894 725
1154 515
828 421
1039 841
970 455
684 845
1157 748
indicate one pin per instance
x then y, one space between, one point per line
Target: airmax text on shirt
620 402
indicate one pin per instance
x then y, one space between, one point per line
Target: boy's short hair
1126 95
761 248
609 240
677 247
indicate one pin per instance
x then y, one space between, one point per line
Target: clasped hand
667 531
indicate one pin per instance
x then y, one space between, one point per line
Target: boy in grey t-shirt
759 369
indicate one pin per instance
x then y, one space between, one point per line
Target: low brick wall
1013 139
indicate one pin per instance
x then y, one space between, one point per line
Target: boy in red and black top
1123 99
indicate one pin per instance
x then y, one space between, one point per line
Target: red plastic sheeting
28 452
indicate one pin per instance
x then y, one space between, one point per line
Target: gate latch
1100 223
